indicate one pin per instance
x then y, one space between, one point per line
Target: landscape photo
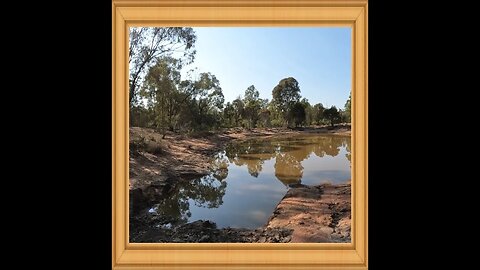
240 134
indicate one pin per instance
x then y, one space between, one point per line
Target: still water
249 178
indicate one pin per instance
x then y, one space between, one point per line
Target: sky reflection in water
250 178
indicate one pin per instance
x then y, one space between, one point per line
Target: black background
75 215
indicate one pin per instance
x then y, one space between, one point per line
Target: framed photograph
239 134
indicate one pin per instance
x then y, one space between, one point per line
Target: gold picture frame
350 13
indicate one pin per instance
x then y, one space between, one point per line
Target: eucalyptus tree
161 92
284 95
332 115
147 44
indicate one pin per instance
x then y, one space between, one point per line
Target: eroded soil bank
305 214
315 214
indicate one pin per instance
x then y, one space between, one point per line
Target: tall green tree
252 106
318 110
149 43
332 115
161 91
206 100
228 114
296 114
251 94
264 116
285 94
309 112
239 110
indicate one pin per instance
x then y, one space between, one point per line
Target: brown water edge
157 164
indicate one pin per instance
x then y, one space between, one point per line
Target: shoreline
190 156
156 164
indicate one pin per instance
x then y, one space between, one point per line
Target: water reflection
172 203
258 173
288 152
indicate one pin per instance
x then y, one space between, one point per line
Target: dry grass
146 140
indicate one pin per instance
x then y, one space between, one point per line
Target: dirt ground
305 214
315 213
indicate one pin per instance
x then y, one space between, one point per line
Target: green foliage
251 94
348 109
276 122
161 92
140 116
176 104
253 106
161 99
318 110
285 94
296 114
208 98
147 44
200 103
264 116
332 115
239 110
309 112
228 115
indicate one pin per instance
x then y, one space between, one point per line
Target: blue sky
318 58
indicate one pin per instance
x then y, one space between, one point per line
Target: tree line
161 99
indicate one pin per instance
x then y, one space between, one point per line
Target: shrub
154 148
143 145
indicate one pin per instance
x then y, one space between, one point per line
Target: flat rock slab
319 214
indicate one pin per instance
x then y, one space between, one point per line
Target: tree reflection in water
288 152
171 204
